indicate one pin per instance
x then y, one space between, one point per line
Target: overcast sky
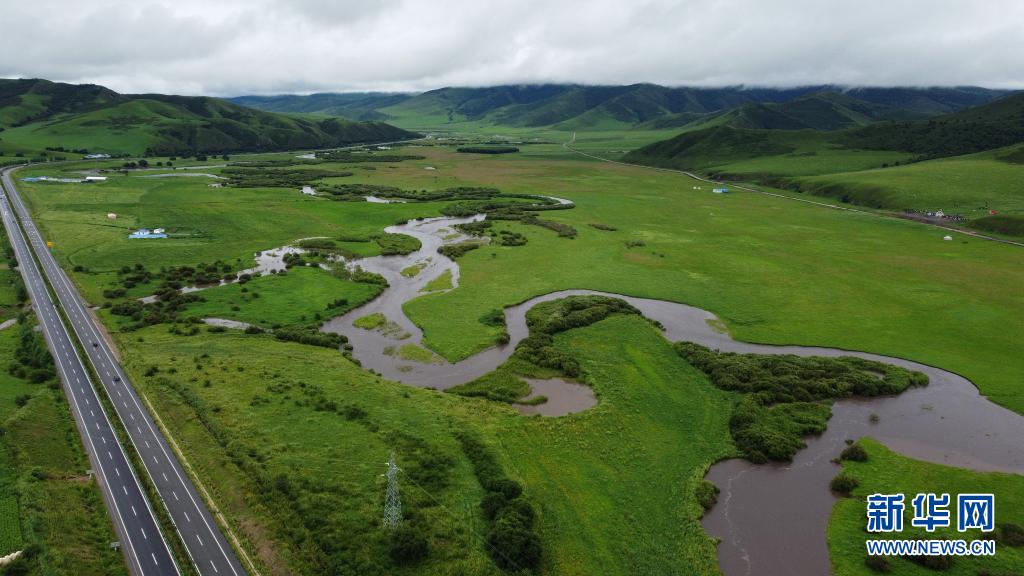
229 47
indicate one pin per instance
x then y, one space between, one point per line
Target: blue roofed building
147 233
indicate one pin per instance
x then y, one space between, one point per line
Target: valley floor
291 438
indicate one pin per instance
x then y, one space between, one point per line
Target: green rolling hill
577 107
38 114
968 163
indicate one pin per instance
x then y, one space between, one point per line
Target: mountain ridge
37 114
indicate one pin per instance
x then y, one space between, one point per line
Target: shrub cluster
353 156
32 359
787 378
254 177
765 433
487 149
784 394
166 308
397 244
707 494
310 335
455 251
511 540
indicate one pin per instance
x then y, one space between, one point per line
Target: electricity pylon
393 501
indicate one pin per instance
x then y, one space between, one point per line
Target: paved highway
147 552
144 547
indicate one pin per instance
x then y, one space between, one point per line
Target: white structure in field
947 237
111 216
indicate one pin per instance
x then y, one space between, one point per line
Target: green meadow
301 296
291 439
969 185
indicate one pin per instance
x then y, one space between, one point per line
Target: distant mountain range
754 131
576 107
37 114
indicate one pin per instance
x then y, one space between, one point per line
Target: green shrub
878 563
511 541
854 452
494 317
487 149
843 484
707 494
1010 534
938 563
407 546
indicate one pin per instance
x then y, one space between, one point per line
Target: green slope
580 107
41 114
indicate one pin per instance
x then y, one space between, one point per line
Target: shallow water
226 323
563 397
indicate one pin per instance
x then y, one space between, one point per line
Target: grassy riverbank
889 473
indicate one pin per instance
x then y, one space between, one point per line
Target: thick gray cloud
229 47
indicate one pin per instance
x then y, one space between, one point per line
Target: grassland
244 408
49 506
889 473
822 164
969 185
292 438
301 296
206 223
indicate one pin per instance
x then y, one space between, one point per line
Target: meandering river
771 519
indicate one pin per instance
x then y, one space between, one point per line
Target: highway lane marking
133 510
214 567
147 443
143 533
125 488
155 460
200 540
109 455
154 558
93 413
175 494
164 474
118 472
187 519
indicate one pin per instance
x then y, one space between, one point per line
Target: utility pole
393 501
